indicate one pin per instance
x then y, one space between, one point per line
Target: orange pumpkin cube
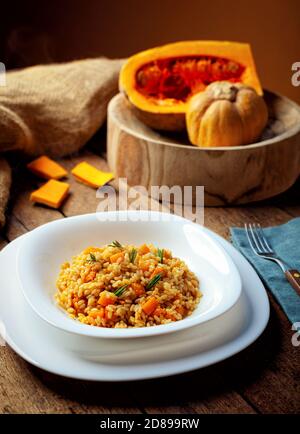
47 168
51 194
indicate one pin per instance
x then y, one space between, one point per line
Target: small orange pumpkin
226 114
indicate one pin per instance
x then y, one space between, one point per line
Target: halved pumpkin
159 82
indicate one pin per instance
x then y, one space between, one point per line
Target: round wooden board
234 175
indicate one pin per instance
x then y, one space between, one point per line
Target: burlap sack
53 109
5 181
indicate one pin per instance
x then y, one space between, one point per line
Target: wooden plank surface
264 378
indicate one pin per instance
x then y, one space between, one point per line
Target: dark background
44 31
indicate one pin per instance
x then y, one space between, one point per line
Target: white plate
46 248
34 339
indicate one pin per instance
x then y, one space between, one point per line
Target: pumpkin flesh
180 78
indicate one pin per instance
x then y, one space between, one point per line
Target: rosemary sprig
92 258
160 254
116 244
132 255
153 281
120 290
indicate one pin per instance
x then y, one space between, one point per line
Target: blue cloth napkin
285 240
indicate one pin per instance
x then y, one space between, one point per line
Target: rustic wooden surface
235 176
264 378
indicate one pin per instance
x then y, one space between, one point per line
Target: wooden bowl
235 175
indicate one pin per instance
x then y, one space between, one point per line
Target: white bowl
44 250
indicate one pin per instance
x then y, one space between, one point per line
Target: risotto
126 286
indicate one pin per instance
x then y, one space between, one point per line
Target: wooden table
264 378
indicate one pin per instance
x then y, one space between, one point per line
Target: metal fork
260 246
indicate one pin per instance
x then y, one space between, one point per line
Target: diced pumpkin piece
51 194
114 258
47 168
150 305
167 254
109 316
138 289
90 175
91 249
144 249
90 276
158 270
97 313
144 265
106 298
